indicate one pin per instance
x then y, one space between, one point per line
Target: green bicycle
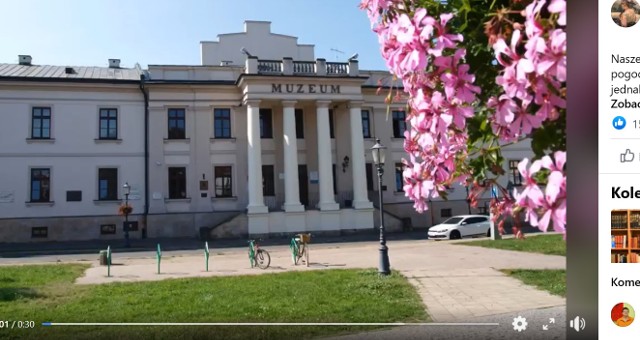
258 257
300 248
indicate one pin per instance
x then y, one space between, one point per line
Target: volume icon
578 324
619 123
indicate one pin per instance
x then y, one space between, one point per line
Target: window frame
115 195
332 133
401 166
269 191
225 132
224 193
366 127
108 119
514 173
41 119
397 121
31 189
173 179
443 210
299 117
171 135
262 121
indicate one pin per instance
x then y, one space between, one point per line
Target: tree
480 75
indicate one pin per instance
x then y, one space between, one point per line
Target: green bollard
206 256
159 257
108 261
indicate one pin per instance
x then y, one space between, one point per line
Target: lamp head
378 153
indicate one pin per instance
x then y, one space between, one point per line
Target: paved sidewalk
455 282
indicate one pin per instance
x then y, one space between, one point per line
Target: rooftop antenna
337 51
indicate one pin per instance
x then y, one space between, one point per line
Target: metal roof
59 72
380 79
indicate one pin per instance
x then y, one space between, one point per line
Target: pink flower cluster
419 51
534 77
543 208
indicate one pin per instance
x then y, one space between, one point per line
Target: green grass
544 244
46 293
553 281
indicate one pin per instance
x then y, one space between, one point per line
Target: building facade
262 138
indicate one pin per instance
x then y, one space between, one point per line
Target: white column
291 189
325 169
254 154
360 199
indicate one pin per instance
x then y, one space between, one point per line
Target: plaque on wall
107 229
39 232
204 185
130 225
74 196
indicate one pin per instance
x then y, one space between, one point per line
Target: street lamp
378 153
127 191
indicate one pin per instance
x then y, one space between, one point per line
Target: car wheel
489 232
454 235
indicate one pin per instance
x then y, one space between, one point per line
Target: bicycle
300 247
258 257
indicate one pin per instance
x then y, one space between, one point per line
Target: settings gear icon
519 324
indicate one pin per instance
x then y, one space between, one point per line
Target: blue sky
88 32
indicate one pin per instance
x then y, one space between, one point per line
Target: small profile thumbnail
622 314
625 13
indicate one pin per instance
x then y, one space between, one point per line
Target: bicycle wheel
263 259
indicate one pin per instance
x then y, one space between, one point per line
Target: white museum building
262 138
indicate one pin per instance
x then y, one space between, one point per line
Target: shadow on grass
8 294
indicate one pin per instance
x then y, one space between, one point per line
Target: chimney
114 63
24 59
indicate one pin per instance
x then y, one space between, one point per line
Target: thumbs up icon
627 156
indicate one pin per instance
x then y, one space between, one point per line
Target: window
299 124
399 180
177 183
266 124
222 175
40 185
333 169
108 124
369 169
366 124
514 173
331 132
177 128
445 212
399 124
41 123
474 220
268 181
108 184
222 123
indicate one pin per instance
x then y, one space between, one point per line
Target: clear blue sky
88 32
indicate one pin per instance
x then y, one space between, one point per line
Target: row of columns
292 194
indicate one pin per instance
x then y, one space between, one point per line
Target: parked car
461 226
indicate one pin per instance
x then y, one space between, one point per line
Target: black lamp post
378 152
127 191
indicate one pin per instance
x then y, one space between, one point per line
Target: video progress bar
270 324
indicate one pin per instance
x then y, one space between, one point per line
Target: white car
461 226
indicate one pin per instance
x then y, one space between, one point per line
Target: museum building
262 138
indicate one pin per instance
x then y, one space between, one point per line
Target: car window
472 220
453 220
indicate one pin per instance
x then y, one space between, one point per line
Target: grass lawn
47 293
553 281
544 244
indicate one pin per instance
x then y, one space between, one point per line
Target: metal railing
304 67
337 68
269 66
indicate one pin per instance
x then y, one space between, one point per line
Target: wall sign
6 196
304 88
204 185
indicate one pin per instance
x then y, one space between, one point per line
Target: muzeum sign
304 88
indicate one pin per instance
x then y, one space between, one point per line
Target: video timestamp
17 324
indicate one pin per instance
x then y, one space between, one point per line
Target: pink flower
559 6
554 60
